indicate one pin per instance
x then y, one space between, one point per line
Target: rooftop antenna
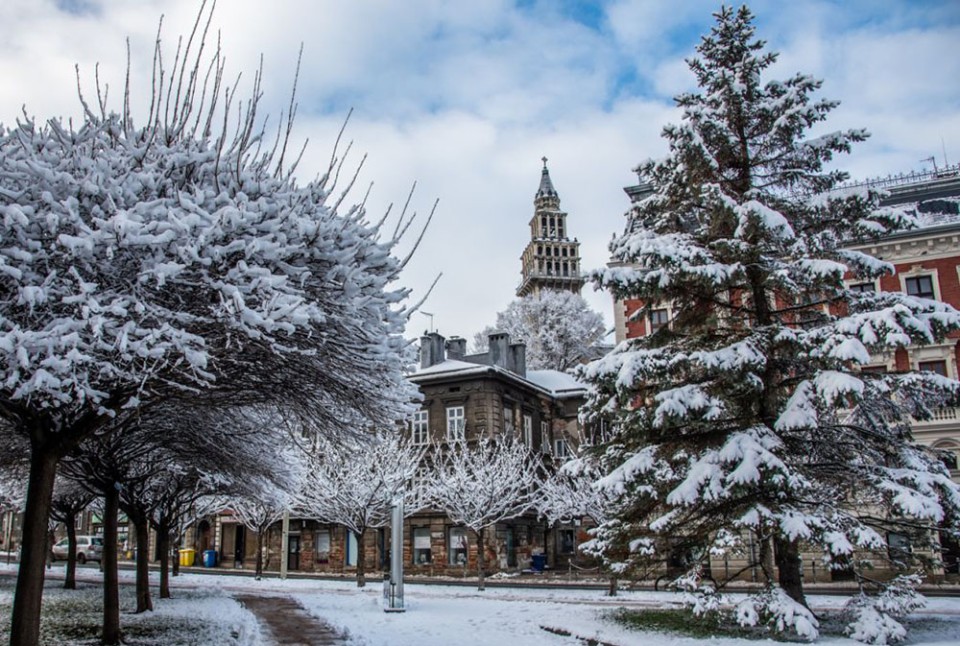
943 145
431 318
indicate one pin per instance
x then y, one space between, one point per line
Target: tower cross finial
544 162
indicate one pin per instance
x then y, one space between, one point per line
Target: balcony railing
946 414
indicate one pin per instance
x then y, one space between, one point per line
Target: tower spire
546 184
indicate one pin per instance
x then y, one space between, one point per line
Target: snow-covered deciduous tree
479 484
571 493
260 509
178 254
263 498
749 411
355 483
558 328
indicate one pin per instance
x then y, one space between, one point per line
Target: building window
544 438
938 367
566 541
561 449
658 319
877 370
921 286
420 427
421 546
456 424
528 430
508 420
898 548
457 546
862 288
948 455
352 549
322 540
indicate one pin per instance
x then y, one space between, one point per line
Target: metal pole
396 559
284 542
9 532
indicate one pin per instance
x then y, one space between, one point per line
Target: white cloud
465 98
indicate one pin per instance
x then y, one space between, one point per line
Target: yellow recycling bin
187 556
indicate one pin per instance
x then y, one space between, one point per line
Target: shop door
383 550
511 547
293 552
240 546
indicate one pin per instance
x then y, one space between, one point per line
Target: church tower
551 259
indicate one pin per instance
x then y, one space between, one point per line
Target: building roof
554 383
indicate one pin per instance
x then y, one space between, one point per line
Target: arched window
948 452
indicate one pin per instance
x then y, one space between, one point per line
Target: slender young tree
258 511
559 329
749 411
570 493
70 500
356 482
176 255
479 484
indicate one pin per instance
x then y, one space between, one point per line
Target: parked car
89 548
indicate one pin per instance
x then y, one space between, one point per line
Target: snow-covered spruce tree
355 482
179 254
479 484
559 329
749 411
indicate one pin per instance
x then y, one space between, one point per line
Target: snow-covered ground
442 615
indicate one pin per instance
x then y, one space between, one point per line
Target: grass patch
74 617
680 621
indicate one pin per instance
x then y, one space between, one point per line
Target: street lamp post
393 587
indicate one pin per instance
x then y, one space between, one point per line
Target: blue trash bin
210 558
539 562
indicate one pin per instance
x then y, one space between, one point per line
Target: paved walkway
284 622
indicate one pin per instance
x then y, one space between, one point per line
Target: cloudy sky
464 98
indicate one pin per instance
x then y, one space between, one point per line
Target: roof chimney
431 350
499 343
518 358
456 347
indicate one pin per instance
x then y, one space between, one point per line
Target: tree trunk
28 597
766 558
176 561
361 560
111 583
70 580
143 563
612 587
163 545
258 572
481 581
789 565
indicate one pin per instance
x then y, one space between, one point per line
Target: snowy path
284 622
